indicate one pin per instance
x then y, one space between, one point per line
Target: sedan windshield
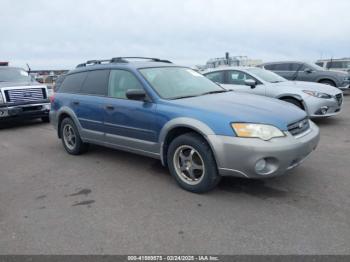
14 75
266 75
179 82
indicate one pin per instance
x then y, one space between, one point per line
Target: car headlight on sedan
264 132
317 94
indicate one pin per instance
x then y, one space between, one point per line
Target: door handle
76 103
110 107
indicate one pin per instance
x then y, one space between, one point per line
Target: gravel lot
112 202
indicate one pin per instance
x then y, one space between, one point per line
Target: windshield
266 75
179 82
314 67
14 75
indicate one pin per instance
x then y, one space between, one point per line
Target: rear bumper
238 156
26 110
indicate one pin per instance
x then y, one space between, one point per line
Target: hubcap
69 136
189 165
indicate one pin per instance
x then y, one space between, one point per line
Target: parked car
199 130
318 100
309 72
342 64
21 97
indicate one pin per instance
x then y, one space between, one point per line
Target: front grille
25 95
299 127
339 98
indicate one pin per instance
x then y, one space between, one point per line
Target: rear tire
294 102
327 82
71 140
191 162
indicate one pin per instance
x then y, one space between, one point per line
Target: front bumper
25 110
315 105
238 156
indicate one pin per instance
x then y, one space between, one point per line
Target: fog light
260 165
324 110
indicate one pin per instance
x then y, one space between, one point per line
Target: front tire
294 102
45 119
191 162
71 139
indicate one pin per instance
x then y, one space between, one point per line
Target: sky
59 34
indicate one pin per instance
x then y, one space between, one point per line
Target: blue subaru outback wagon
197 129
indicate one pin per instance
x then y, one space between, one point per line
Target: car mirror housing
136 94
250 82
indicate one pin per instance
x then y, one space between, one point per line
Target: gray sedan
318 100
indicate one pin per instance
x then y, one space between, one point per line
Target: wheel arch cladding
66 112
180 126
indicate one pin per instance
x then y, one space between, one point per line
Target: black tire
294 102
203 153
76 148
327 82
45 119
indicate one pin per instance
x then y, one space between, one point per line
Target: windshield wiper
180 97
215 92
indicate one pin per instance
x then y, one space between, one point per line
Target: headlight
1 99
264 132
317 94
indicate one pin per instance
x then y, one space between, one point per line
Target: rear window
72 83
96 83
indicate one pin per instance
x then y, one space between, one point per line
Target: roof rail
94 62
125 58
121 60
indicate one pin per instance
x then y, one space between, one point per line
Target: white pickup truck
21 96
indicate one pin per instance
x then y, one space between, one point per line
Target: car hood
301 85
240 107
15 84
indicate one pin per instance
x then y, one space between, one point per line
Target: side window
335 64
319 64
72 83
296 66
96 83
217 77
120 81
270 67
238 78
282 67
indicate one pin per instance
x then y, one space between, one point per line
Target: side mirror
308 70
250 82
136 94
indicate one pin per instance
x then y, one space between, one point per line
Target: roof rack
121 60
125 58
94 62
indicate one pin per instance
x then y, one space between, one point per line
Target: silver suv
301 71
342 64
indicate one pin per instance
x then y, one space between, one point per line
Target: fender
72 115
192 123
297 97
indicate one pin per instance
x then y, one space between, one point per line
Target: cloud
62 33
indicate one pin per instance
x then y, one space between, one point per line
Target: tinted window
96 83
319 64
72 83
217 77
270 67
120 81
238 78
296 67
282 67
